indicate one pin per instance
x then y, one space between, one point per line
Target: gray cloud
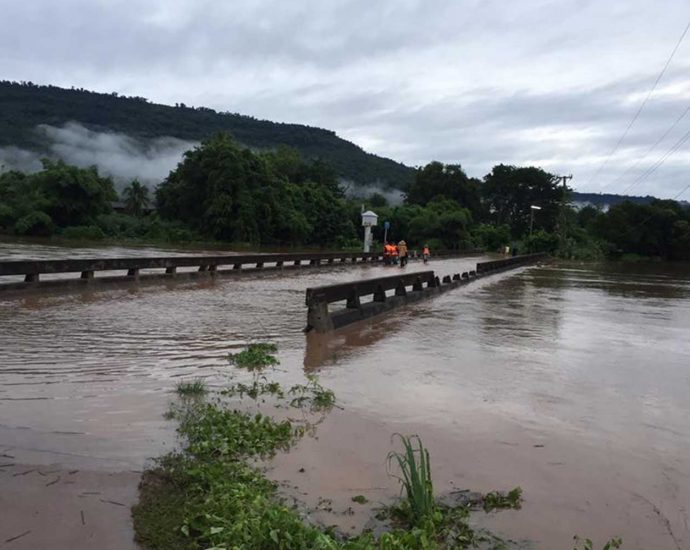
475 82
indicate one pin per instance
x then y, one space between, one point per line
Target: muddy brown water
571 381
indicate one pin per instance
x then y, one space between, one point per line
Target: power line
677 145
639 110
683 191
656 143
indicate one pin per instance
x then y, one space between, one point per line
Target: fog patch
14 158
394 197
119 156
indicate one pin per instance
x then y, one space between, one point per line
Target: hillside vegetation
23 106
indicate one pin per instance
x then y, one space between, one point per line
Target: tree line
223 191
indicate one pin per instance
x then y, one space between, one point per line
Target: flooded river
571 381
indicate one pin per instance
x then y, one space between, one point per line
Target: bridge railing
355 290
33 269
494 266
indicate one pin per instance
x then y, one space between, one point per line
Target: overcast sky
550 83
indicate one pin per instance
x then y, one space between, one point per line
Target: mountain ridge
24 106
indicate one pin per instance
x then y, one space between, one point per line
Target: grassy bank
212 495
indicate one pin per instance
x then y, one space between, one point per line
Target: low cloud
119 156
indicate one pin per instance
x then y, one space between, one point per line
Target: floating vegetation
211 494
498 500
255 358
312 395
196 387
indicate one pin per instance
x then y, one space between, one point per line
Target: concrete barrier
407 288
85 270
496 266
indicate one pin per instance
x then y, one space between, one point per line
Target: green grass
415 477
196 387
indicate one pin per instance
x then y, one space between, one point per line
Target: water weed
498 500
312 395
196 387
256 357
587 544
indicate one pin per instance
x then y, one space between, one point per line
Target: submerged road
569 381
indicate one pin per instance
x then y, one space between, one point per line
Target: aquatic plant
497 500
196 387
312 395
587 544
415 469
256 357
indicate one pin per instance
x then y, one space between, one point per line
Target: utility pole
562 222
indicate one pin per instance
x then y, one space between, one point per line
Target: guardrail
32 270
406 288
495 266
423 284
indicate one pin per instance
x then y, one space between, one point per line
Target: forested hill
23 106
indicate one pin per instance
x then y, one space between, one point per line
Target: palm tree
136 198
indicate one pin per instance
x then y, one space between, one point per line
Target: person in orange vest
402 252
425 253
387 253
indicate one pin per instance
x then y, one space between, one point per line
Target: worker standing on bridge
425 253
394 253
402 252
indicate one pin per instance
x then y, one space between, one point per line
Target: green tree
443 220
445 180
230 193
655 229
56 197
509 192
73 196
136 197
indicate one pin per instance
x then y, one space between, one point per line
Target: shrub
83 232
35 224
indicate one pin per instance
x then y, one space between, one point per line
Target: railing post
171 270
88 275
297 262
279 263
259 265
400 290
133 272
353 301
319 318
380 294
237 266
31 278
418 285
